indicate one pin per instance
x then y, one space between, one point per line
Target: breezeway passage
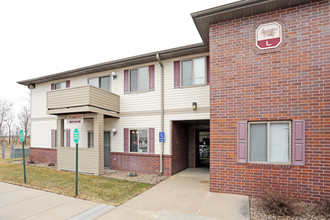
183 196
18 202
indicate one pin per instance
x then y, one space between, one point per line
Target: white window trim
192 74
99 79
268 144
129 140
129 80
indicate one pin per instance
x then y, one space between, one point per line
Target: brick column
98 140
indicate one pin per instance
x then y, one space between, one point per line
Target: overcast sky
40 37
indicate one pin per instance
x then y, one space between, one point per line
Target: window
64 139
55 138
139 141
193 72
90 139
139 80
269 142
100 82
60 85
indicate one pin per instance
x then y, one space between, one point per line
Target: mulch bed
140 177
304 211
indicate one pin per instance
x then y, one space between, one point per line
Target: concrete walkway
18 202
183 196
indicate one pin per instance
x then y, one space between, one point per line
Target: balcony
82 99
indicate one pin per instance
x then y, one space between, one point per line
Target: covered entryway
190 144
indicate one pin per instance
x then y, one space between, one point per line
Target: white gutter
161 113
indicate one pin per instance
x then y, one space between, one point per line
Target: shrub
323 208
279 203
51 165
131 174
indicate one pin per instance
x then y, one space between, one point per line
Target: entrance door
107 149
203 148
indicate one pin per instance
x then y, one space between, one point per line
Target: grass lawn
93 188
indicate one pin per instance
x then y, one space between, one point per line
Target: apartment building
251 102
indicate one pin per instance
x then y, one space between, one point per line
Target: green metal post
24 162
76 169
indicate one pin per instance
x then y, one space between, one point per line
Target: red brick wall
179 147
43 155
148 163
292 82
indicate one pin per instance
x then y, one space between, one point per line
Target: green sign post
21 137
76 140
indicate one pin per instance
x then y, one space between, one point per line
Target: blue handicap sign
161 136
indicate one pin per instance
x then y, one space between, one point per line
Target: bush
279 203
323 208
51 165
131 174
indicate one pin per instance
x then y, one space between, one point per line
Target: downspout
161 113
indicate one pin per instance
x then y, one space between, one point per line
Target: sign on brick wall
269 35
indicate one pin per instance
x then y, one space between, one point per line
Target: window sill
193 86
268 165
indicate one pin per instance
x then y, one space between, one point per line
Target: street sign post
76 140
21 137
161 136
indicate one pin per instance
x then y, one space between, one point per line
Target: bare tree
24 118
5 109
10 122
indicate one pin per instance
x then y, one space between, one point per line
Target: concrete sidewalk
18 202
183 196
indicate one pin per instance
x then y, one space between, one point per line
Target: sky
40 37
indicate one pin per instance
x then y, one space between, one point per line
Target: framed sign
269 35
75 119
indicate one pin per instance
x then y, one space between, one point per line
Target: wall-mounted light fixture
194 105
31 86
114 131
114 75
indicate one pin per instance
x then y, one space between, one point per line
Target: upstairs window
269 142
193 72
139 79
60 85
100 82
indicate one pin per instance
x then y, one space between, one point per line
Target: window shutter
125 140
52 86
68 137
151 140
53 138
298 142
125 81
152 78
176 74
242 146
208 70
67 83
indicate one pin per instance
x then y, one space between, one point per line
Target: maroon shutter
125 81
53 138
298 142
68 137
176 74
125 140
208 70
67 83
52 86
151 140
152 78
242 146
